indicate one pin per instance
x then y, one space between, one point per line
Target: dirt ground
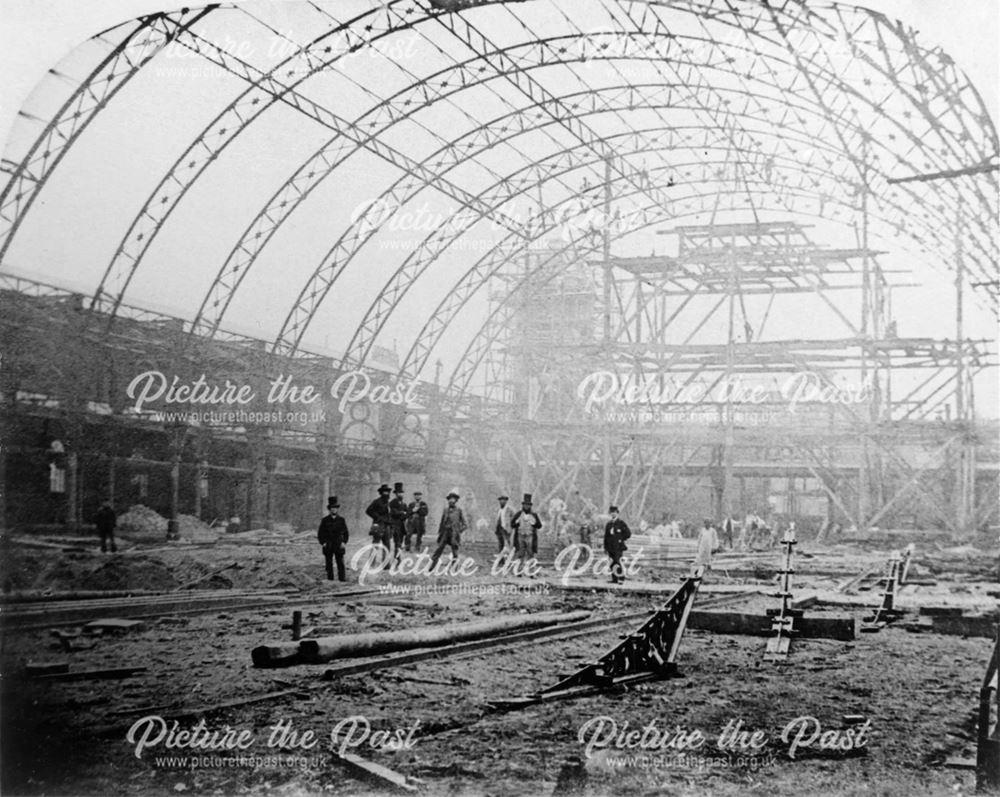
918 691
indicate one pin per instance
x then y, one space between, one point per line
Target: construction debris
325 649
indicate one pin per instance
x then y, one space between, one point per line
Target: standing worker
398 512
333 537
451 528
106 521
615 533
503 528
416 523
378 511
526 524
708 542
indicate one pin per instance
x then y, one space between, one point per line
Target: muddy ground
918 691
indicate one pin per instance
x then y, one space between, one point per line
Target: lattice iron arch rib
339 256
424 255
291 194
363 30
312 295
392 17
142 41
405 102
319 292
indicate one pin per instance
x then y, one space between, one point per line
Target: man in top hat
378 511
503 528
416 523
398 512
451 528
333 537
616 531
526 524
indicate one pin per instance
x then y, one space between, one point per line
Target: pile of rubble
142 524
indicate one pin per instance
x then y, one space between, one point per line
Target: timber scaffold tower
726 216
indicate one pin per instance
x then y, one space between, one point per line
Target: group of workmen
517 532
398 526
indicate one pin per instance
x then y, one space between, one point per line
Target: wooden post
71 478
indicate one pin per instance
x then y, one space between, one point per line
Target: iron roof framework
743 110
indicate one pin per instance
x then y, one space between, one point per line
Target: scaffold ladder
887 611
783 619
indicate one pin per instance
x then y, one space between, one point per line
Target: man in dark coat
398 512
451 528
526 524
416 523
616 531
333 537
106 521
378 511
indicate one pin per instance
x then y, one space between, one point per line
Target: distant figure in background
727 532
586 526
333 537
526 524
106 521
615 533
416 522
502 528
708 543
453 523
556 507
398 512
378 511
564 533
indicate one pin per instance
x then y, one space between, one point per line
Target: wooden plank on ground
93 675
369 770
842 627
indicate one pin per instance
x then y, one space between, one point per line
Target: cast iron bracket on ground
648 653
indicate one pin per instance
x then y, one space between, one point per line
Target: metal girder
470 144
361 31
142 40
863 92
466 32
476 278
383 307
469 75
478 42
435 244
